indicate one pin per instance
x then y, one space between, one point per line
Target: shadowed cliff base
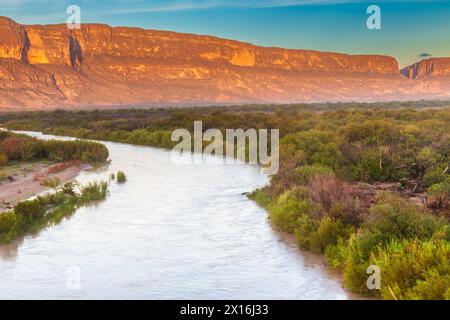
45 67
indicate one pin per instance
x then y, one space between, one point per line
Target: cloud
164 6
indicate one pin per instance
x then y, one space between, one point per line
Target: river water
171 232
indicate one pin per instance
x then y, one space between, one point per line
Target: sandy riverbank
26 180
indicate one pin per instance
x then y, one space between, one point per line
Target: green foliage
434 176
121 177
261 197
414 269
394 217
3 160
286 211
317 194
33 215
51 182
93 191
25 148
304 173
441 189
328 234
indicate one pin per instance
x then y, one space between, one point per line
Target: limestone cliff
51 66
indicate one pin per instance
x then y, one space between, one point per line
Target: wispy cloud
167 6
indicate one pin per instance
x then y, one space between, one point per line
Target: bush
286 210
7 221
51 182
261 197
328 234
337 198
303 174
395 218
414 269
30 210
121 177
93 191
434 176
3 160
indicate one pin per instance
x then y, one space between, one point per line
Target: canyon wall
428 69
51 67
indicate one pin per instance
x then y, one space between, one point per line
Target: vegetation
33 215
121 177
347 180
15 147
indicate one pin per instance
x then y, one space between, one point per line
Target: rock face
51 66
428 69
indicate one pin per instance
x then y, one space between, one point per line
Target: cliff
51 66
429 68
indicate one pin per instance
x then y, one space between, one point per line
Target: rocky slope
51 66
428 69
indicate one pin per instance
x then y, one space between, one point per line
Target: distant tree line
15 147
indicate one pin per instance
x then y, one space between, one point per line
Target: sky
410 30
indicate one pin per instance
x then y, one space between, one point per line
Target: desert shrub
304 173
51 182
12 147
305 227
434 176
286 210
261 197
3 160
414 269
328 233
337 198
393 218
121 177
440 193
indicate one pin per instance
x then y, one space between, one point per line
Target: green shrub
93 191
303 174
393 218
305 227
414 269
3 160
121 177
52 182
261 197
434 176
441 190
30 210
286 210
7 221
328 233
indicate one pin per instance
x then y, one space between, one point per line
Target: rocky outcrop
428 69
51 66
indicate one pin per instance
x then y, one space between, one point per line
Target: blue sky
409 28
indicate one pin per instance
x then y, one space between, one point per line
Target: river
171 232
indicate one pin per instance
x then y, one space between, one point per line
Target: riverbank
170 232
24 180
364 187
